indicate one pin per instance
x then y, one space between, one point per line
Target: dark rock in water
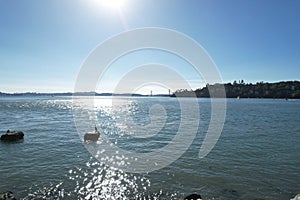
12 136
8 195
92 136
193 197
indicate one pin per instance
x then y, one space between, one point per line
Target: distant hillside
288 89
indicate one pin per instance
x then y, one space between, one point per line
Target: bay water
256 156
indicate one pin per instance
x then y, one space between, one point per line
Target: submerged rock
8 195
230 193
12 136
193 197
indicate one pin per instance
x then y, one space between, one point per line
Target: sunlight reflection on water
94 181
103 182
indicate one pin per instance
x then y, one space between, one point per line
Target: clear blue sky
44 43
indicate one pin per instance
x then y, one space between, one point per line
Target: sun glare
112 4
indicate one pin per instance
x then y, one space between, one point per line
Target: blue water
256 157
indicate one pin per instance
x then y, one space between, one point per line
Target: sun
112 4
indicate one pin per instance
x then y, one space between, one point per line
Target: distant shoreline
33 94
278 90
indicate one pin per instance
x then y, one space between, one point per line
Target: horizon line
128 93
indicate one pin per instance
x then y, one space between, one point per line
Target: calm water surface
256 157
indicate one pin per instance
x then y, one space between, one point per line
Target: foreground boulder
8 195
12 136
